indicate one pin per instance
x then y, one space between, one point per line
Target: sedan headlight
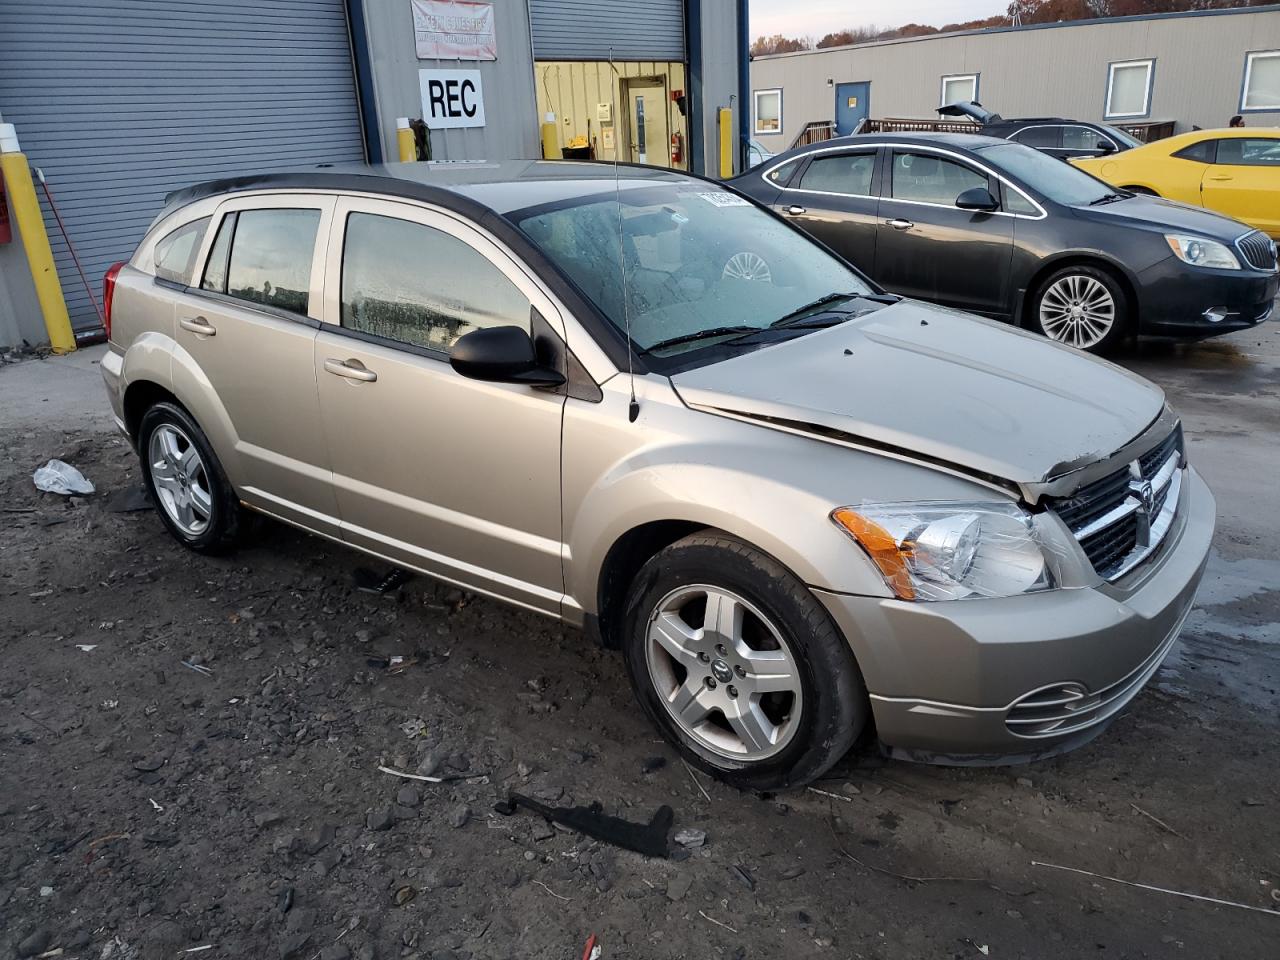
1200 252
950 550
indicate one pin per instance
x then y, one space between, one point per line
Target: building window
768 111
1129 88
1261 81
959 89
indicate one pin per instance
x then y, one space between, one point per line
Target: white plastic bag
58 477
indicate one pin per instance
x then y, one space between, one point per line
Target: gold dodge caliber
801 508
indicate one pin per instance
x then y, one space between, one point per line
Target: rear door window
1042 138
1082 138
269 261
845 173
415 284
175 256
928 178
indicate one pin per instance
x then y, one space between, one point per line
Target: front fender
790 524
772 488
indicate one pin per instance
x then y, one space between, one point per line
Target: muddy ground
147 808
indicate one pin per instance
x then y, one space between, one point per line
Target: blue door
852 101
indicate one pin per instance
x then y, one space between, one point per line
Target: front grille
1258 250
1115 525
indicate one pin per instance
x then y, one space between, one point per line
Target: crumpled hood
940 385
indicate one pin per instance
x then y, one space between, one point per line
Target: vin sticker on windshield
724 199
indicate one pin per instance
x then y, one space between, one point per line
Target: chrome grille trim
1258 251
1122 519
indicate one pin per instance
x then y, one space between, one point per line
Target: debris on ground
130 500
649 839
61 478
367 581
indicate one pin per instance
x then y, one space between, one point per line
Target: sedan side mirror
977 198
1106 146
501 355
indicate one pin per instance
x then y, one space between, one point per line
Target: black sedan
1057 136
1000 229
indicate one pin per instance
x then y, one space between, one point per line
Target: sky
798 18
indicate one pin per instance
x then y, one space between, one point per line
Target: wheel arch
1098 261
622 562
157 369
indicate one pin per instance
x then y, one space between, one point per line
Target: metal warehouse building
119 102
1190 69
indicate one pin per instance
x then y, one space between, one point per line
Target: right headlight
1201 252
953 550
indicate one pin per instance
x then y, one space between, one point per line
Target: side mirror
977 198
501 355
1106 146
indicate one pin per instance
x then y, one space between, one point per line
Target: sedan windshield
703 266
1120 136
1047 175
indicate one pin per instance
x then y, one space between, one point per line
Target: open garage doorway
636 115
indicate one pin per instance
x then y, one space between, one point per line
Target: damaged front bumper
998 681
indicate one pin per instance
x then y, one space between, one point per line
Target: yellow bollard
26 214
404 141
550 138
726 142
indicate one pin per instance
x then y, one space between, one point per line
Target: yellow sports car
1234 171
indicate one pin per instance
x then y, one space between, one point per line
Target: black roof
472 188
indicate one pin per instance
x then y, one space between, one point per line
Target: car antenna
633 410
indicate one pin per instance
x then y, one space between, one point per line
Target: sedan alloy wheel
723 672
1077 310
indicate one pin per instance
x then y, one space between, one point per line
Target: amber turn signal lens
882 548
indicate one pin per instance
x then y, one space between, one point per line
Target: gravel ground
148 808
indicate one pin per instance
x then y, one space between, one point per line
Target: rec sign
451 98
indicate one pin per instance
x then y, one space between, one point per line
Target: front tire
739 665
1083 307
192 494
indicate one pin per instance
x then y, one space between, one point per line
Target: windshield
697 260
1121 137
1047 175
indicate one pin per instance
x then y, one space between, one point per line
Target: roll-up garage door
587 29
121 101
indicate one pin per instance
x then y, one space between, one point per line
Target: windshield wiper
1109 198
695 335
800 316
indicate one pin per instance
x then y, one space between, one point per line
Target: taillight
108 291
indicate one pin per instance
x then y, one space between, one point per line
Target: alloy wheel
1077 310
723 672
180 479
747 266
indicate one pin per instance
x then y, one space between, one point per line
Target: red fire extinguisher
677 148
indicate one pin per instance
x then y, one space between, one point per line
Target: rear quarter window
175 255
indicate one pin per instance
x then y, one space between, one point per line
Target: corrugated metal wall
511 115
122 101
1059 70
588 29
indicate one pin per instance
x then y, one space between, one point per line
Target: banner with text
449 30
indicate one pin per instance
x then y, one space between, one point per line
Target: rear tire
765 694
1083 307
192 494
1144 191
